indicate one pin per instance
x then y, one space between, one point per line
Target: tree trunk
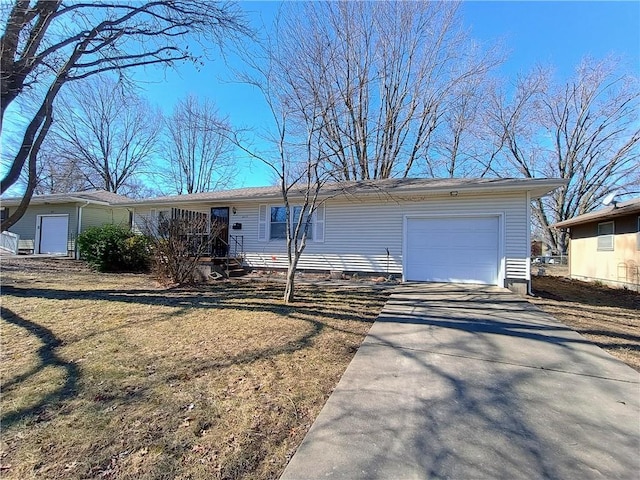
291 277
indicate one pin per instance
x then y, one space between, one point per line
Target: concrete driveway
473 382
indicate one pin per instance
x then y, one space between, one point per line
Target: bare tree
47 43
198 149
585 131
386 74
57 175
298 156
106 131
458 147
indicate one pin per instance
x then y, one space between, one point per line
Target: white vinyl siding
358 232
92 216
366 234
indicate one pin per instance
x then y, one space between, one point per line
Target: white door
53 234
452 249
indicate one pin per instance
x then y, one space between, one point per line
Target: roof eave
537 188
597 216
12 202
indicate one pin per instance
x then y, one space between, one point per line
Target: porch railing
236 246
9 242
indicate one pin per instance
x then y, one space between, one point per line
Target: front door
220 231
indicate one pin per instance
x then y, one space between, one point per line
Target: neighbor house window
4 213
278 223
605 236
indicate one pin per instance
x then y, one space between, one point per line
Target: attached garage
453 248
52 233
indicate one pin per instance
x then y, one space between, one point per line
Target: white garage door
455 249
53 234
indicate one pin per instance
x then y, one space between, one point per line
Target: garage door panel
53 234
457 249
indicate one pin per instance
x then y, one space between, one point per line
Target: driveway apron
473 382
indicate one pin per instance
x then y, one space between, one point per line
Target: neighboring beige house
605 245
52 222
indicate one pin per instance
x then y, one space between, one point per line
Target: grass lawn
111 376
609 317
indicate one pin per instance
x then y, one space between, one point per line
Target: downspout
78 229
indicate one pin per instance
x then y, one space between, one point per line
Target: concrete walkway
473 382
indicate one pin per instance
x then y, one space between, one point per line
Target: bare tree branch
585 131
386 74
198 149
47 43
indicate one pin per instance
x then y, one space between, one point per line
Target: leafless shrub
179 242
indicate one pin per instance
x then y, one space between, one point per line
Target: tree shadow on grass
250 298
585 293
253 298
47 358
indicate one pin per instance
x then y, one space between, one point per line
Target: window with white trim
605 236
272 223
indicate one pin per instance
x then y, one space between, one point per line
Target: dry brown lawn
112 376
609 317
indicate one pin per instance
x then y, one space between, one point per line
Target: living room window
605 236
272 223
278 223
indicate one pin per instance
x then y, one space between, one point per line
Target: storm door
220 231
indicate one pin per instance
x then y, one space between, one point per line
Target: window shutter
318 234
262 223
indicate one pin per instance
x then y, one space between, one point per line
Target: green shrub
136 253
111 248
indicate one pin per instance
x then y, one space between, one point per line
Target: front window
605 236
278 223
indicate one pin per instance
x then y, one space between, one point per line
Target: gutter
540 185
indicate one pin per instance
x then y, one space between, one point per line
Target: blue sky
547 32
554 33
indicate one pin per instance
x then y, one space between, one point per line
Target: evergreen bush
112 248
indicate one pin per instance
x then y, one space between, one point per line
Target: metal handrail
238 245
